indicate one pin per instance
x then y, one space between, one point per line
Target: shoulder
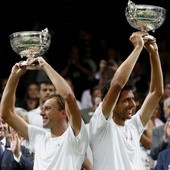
37 130
164 156
165 152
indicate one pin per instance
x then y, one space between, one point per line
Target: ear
63 113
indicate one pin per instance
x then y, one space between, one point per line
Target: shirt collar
3 142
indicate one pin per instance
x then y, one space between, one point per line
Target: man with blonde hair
64 147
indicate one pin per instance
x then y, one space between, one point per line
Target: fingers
10 138
139 33
35 60
136 38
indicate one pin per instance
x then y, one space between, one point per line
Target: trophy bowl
145 17
30 43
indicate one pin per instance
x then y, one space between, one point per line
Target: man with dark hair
114 129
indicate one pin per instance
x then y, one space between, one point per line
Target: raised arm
156 83
64 90
7 107
122 74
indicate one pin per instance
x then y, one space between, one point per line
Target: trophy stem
32 67
25 63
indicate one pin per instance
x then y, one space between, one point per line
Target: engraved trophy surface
30 44
145 17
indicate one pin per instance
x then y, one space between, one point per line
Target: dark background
66 18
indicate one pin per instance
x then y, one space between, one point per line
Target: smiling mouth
44 120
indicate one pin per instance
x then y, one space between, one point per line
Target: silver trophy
30 44
145 17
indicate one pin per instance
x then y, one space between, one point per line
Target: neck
58 131
119 121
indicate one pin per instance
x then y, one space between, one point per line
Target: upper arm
110 99
18 124
146 138
74 114
148 107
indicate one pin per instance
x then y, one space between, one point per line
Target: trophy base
32 67
148 37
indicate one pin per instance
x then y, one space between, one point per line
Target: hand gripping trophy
30 44
145 17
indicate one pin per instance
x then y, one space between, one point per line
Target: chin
45 125
129 116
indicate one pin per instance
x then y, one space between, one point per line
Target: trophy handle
148 37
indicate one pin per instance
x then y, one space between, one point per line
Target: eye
125 100
48 108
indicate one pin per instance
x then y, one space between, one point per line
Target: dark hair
104 89
128 86
46 82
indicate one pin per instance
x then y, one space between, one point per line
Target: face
125 106
97 101
50 113
3 129
167 107
45 91
102 64
156 112
167 90
33 91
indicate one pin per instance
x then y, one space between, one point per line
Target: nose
42 112
132 103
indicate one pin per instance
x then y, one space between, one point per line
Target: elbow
148 146
153 156
160 90
2 112
4 116
160 93
69 97
5 113
117 85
